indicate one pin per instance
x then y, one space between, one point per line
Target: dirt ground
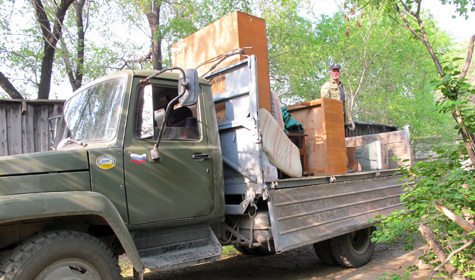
300 264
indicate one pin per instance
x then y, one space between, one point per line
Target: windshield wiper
68 141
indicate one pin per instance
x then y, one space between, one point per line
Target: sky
459 28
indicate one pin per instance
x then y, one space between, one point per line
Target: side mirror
192 86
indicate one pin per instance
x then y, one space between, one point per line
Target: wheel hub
69 269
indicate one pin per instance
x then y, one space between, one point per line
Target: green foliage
394 276
458 96
386 84
448 180
21 48
294 60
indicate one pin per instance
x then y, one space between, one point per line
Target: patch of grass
125 266
229 251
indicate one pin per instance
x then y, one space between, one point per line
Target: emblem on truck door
105 162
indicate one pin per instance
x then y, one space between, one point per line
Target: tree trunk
46 72
9 88
153 16
76 77
50 38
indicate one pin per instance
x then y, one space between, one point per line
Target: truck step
172 248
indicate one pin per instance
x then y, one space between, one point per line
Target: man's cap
335 66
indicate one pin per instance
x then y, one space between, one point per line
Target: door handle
201 157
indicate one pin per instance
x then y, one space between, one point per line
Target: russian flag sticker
136 158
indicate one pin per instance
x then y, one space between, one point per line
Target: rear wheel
353 249
324 252
61 255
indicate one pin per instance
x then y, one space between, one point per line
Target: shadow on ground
300 264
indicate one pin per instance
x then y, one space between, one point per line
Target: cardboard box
323 123
234 31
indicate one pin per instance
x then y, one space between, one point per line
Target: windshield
93 114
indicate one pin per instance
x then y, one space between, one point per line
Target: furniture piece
323 123
299 140
212 44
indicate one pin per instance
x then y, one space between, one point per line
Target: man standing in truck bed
334 89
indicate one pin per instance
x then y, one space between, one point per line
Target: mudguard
60 204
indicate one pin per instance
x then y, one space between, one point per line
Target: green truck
142 167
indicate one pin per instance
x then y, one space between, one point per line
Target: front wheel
61 255
354 249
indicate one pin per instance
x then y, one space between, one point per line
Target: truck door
180 184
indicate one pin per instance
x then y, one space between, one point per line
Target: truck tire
354 249
61 255
324 252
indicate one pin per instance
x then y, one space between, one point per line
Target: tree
90 42
169 22
152 10
294 51
51 31
408 14
50 37
18 51
384 84
76 75
448 179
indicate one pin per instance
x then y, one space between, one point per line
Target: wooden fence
24 125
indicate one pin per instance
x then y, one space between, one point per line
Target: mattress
282 153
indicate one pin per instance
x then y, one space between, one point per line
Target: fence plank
24 125
30 129
3 130
14 128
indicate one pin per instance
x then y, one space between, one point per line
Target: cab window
181 124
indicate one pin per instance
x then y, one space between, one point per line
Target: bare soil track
300 264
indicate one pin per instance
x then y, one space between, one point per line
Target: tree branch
9 88
454 217
466 245
439 251
422 36
407 25
468 60
138 60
